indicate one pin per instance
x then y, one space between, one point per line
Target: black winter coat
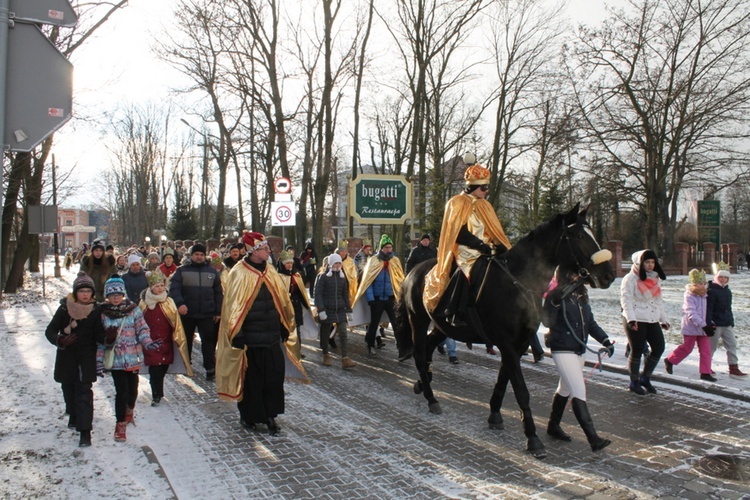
419 254
198 287
262 326
719 305
581 319
135 283
82 353
332 296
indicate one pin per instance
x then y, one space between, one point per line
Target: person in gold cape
297 293
257 316
380 285
470 229
350 269
162 318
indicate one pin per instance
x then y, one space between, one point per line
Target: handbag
109 354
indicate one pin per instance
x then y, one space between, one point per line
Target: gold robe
350 271
243 285
169 308
372 269
295 347
481 219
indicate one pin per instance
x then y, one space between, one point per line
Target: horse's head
578 251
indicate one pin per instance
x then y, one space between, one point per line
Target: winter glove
349 317
154 345
371 304
610 347
500 249
64 341
633 325
709 330
665 326
485 249
110 335
322 315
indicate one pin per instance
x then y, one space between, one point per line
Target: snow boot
347 363
735 370
634 367
273 427
553 426
130 415
708 377
648 368
72 422
581 410
120 428
668 366
327 360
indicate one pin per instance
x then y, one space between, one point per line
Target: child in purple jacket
695 330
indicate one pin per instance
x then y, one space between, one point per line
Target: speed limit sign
283 213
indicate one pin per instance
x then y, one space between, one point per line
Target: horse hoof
435 408
417 387
535 447
496 421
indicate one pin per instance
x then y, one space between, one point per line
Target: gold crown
476 175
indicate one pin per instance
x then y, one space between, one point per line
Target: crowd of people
143 306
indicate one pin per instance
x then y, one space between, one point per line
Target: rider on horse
470 230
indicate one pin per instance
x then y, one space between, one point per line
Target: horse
507 308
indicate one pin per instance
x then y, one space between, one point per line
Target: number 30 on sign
283 213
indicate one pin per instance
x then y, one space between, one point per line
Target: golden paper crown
695 276
477 175
156 277
286 256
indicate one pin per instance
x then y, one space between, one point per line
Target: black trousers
650 333
126 391
156 379
376 309
207 329
79 402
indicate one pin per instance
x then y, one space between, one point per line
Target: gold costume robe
295 348
481 219
372 269
243 285
350 271
169 309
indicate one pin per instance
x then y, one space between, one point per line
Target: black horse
507 308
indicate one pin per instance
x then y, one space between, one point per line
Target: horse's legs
534 445
496 401
423 349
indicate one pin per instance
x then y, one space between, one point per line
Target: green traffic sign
709 221
380 199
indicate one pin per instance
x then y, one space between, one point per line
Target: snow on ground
39 456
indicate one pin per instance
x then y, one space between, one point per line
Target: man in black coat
196 290
420 253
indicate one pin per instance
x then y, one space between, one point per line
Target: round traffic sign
282 185
283 213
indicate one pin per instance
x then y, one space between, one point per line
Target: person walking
694 328
259 317
195 288
380 284
98 267
420 253
644 317
297 294
76 329
568 316
719 314
135 279
163 320
332 302
126 334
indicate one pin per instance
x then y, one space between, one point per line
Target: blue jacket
719 308
581 319
135 283
199 288
381 287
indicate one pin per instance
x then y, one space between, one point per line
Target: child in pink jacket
695 330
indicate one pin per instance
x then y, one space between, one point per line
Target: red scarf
650 285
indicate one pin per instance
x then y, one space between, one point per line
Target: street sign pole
4 22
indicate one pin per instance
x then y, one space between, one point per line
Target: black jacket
332 296
199 288
420 253
719 305
135 283
82 353
579 315
262 326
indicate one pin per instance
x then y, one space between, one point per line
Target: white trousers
570 366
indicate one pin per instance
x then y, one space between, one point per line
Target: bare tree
664 88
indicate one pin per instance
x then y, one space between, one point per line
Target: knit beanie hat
167 251
643 255
334 258
695 277
133 259
385 240
198 247
83 281
114 285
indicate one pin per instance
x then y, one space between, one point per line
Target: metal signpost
36 80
